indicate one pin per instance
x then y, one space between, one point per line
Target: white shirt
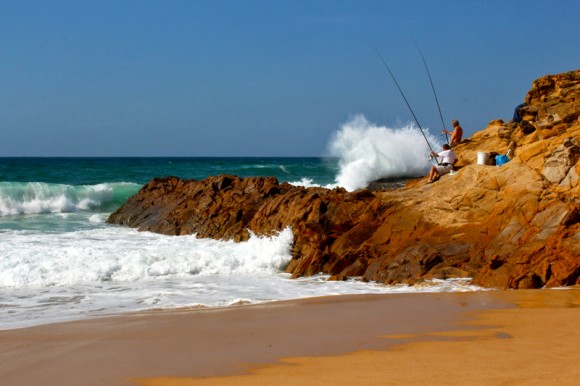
447 156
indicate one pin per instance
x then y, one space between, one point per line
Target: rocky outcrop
514 226
559 166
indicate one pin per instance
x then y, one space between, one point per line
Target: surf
368 152
33 259
17 198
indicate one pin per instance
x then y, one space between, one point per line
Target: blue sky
261 78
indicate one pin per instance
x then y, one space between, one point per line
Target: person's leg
433 175
442 170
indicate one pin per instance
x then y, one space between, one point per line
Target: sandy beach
480 338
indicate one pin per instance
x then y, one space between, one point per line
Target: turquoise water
91 171
35 191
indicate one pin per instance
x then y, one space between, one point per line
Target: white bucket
482 157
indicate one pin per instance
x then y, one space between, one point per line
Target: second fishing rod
405 98
434 93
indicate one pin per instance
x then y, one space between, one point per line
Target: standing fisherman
456 134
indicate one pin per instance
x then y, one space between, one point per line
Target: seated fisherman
448 159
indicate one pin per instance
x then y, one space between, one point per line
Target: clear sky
262 78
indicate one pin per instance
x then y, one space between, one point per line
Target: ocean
61 261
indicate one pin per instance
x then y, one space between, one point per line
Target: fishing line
380 153
433 88
407 102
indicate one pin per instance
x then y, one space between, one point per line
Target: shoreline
284 340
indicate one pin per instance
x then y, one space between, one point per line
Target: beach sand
526 337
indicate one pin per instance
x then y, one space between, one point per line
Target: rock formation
513 226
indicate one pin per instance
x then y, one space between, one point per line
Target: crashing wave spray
39 197
368 152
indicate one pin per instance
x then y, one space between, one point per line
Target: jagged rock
218 207
527 127
515 226
506 131
563 158
387 184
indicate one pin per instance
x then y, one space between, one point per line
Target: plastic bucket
482 157
501 159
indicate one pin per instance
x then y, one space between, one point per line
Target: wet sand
496 337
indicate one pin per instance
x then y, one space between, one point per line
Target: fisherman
456 134
517 113
448 159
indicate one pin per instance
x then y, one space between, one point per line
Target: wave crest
368 152
39 197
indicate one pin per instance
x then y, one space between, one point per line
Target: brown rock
561 161
515 226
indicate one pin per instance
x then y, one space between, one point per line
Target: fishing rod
433 88
406 101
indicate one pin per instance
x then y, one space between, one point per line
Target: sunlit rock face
512 226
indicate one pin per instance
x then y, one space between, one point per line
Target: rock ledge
514 226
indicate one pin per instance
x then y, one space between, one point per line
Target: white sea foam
48 276
98 218
368 152
39 197
120 255
309 183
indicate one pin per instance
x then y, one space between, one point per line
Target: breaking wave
39 197
368 152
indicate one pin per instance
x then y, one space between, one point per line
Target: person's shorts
443 169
